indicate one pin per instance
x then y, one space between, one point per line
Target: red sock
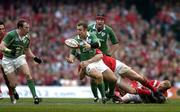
143 91
10 91
147 83
0 90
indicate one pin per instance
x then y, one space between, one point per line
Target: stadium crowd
151 47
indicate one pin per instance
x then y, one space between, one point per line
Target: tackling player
123 71
162 86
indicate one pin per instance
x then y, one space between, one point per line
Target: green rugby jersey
17 45
82 53
103 36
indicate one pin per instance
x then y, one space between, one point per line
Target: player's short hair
166 84
20 23
1 23
84 24
100 15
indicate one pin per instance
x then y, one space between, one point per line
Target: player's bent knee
13 84
28 76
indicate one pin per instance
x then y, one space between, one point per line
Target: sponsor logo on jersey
103 34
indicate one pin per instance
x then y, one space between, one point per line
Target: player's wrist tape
37 60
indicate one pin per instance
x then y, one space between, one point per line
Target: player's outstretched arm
30 54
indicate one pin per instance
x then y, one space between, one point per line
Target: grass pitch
84 105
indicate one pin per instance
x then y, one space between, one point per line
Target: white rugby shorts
98 65
11 65
131 98
121 68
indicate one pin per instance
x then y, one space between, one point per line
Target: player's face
2 29
100 23
81 31
25 28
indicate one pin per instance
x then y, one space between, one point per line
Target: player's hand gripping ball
72 43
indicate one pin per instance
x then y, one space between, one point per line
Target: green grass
84 105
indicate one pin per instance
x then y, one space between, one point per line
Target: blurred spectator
151 47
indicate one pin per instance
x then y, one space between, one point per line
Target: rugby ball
72 43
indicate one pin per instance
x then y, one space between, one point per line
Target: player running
15 48
96 69
106 35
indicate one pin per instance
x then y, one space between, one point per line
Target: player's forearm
29 53
113 49
71 58
97 57
3 48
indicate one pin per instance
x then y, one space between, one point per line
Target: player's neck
2 35
19 33
100 29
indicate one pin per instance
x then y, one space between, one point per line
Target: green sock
106 85
102 89
31 87
94 88
111 89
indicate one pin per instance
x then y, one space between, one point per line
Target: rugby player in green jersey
15 48
105 34
87 49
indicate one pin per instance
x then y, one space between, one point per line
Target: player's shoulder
108 28
92 35
91 26
12 32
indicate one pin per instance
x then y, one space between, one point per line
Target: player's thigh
25 70
109 75
8 65
94 73
123 85
12 78
99 66
121 68
22 66
131 74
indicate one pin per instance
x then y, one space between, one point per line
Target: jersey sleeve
112 36
95 40
8 39
29 41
